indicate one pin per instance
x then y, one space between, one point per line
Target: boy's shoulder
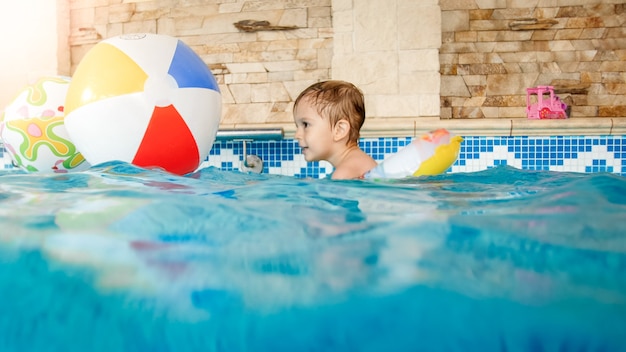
354 166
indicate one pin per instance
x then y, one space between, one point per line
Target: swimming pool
123 258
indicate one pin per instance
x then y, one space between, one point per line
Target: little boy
329 116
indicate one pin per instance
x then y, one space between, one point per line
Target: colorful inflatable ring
431 154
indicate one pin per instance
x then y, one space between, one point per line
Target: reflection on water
228 261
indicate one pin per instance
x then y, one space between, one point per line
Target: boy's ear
341 130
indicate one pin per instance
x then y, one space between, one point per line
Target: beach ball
145 99
33 131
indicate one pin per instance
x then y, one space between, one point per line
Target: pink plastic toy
546 105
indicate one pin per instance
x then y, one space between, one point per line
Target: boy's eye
305 124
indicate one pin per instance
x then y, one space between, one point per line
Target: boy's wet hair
336 101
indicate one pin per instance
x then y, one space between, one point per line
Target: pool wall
556 153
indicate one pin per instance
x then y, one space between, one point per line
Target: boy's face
313 132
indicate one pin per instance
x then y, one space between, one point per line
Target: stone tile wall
494 49
416 60
389 48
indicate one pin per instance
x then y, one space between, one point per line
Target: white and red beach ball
146 99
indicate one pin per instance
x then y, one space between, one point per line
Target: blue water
119 258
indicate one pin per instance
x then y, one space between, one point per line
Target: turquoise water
123 258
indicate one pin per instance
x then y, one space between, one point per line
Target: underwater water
119 258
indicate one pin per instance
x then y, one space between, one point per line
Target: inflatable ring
431 154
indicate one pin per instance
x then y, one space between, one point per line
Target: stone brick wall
389 48
493 50
464 61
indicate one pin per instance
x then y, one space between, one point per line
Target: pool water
122 258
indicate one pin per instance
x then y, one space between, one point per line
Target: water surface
124 258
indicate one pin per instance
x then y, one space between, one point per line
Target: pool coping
415 126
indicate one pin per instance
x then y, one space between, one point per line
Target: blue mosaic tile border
556 153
